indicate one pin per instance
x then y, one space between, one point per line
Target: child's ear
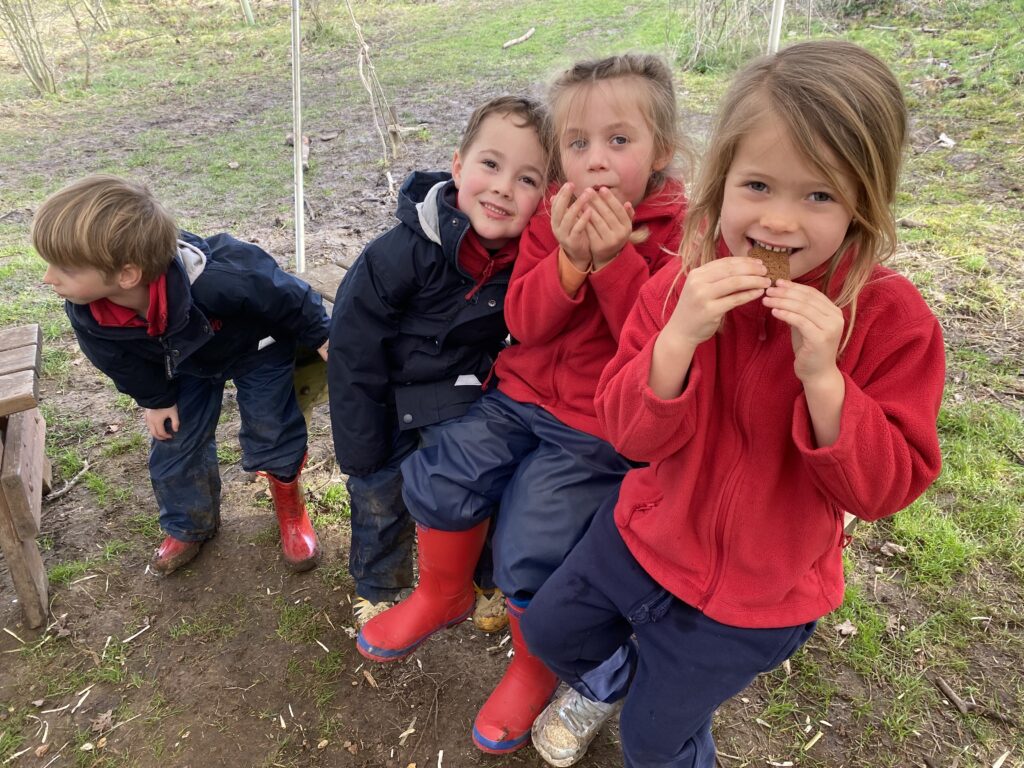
129 277
661 162
457 169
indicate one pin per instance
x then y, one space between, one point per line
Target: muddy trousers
184 469
380 558
607 628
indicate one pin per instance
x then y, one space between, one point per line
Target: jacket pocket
651 608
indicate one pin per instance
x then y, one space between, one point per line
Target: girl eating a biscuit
764 404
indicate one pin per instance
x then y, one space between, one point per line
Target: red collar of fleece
481 264
107 313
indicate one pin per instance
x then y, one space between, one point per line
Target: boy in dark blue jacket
170 317
417 324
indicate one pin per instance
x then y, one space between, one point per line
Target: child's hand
155 418
323 350
569 224
817 328
609 226
712 290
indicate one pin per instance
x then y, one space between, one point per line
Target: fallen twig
522 38
68 485
970 707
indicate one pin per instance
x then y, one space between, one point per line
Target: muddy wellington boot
298 539
503 723
443 597
172 554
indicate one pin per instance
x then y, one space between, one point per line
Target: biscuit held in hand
776 261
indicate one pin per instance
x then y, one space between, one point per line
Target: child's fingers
613 210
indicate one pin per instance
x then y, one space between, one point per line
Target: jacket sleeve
140 378
617 286
537 308
365 320
887 453
639 424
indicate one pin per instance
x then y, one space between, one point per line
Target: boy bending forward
170 317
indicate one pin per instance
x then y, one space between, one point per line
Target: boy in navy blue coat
417 324
170 317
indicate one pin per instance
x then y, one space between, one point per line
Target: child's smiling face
604 140
500 178
774 198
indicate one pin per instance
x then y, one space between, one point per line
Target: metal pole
300 247
776 26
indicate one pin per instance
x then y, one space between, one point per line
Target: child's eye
578 144
489 163
530 181
757 186
619 140
821 197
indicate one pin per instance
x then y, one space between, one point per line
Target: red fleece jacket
739 513
565 342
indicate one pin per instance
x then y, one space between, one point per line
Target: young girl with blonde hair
530 453
765 409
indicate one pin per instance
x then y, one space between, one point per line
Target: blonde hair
106 223
653 77
828 94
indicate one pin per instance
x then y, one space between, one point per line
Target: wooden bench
24 470
310 369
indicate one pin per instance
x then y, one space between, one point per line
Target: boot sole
384 655
499 747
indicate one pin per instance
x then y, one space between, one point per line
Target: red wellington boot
503 723
298 539
443 597
172 554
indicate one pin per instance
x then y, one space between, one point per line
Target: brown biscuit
777 262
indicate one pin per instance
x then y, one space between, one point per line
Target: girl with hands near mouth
764 410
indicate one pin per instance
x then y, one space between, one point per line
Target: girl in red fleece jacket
534 447
765 409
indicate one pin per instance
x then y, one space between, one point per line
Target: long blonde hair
828 94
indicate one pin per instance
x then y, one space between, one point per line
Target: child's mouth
773 248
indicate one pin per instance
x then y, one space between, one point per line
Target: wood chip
369 678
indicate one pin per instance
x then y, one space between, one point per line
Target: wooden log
21 471
22 336
25 565
18 392
25 358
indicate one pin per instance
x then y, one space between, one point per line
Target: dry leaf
42 749
846 629
369 678
103 723
891 549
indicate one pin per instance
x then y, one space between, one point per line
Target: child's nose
597 159
48 276
503 185
779 218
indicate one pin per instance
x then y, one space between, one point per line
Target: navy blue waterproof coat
223 297
403 331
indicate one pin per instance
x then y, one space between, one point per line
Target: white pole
300 247
776 28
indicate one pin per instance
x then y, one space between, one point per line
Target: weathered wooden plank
325 279
18 392
25 565
21 470
20 359
21 336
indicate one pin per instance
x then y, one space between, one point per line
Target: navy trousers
184 469
546 478
608 629
383 532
